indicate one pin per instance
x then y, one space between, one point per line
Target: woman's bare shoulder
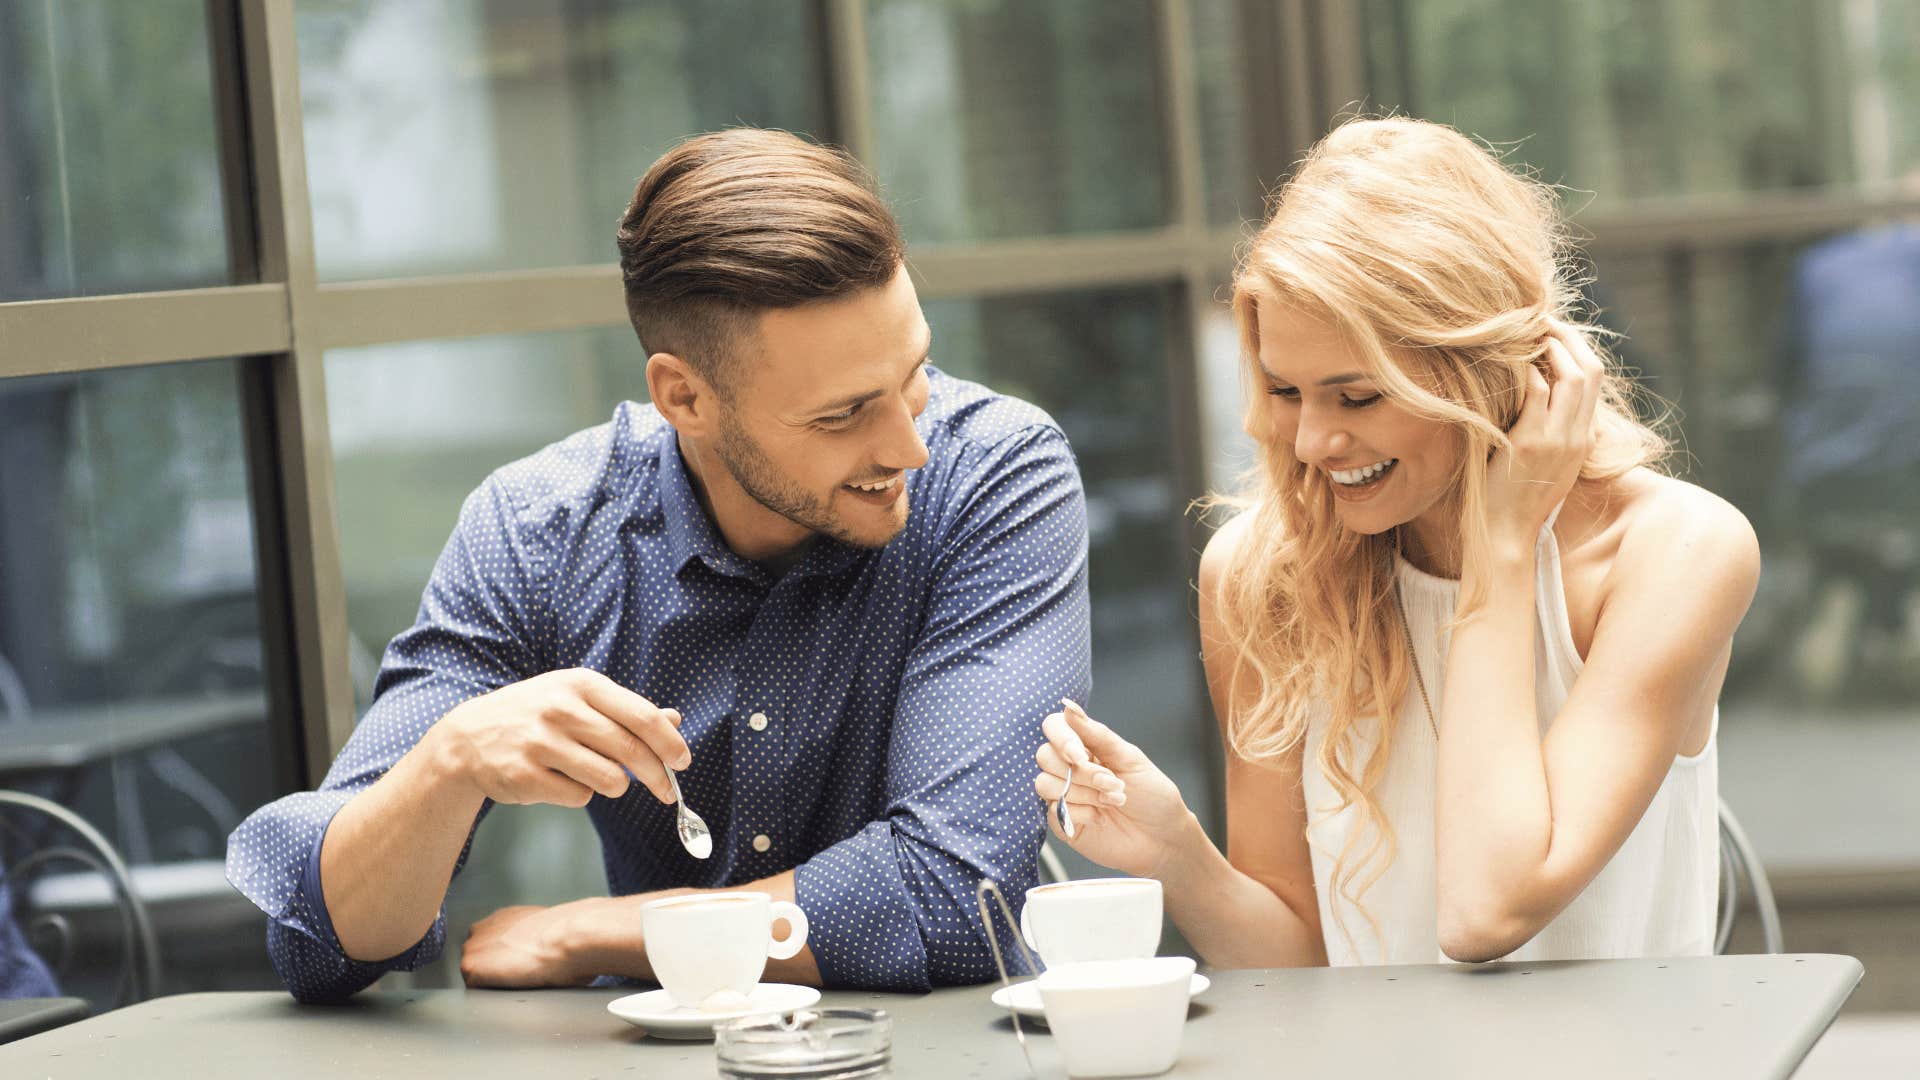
1221 549
1662 524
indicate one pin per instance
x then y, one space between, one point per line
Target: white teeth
1361 475
881 486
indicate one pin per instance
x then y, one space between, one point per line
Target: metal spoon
694 834
1060 805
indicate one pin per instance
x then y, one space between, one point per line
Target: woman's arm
1252 908
1255 906
1523 824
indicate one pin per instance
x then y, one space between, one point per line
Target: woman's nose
1315 440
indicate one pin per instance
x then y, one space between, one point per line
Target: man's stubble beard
756 474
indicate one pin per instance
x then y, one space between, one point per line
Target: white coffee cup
711 942
1117 1017
1093 919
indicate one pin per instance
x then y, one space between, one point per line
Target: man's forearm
389 854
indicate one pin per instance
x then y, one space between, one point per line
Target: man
833 588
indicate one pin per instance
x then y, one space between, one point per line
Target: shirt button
762 842
758 721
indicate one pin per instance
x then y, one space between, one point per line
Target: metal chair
140 974
1739 861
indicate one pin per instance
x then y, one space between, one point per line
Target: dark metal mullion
1677 264
290 396
273 580
273 576
1270 109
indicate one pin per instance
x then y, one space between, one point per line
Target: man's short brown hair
732 223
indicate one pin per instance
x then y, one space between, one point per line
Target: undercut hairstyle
733 223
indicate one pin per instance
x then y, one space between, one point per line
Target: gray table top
1733 1016
68 737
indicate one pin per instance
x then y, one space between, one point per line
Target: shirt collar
691 533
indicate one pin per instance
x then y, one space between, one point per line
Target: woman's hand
1126 813
1551 441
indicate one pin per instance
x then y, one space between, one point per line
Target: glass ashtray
812 1044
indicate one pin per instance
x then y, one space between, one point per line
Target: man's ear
684 398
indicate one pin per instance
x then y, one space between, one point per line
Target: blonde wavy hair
1444 271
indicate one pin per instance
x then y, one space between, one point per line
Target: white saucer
655 1011
1024 997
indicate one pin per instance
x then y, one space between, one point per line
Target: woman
1464 642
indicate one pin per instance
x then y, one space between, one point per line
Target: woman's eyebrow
1341 379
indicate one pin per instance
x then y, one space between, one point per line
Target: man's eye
839 417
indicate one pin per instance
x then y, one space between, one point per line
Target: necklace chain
1406 628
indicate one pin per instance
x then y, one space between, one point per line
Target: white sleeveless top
1656 897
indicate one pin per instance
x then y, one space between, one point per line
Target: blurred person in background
1852 466
1464 641
22 973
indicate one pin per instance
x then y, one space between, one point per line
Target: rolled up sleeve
1005 638
477 630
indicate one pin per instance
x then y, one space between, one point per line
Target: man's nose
903 447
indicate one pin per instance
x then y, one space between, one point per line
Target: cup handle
796 938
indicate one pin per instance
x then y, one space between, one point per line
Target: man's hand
559 738
521 946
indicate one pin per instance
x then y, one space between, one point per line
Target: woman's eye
1358 403
1285 393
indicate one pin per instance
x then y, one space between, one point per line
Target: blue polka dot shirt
867 719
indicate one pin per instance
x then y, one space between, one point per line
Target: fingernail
1114 798
686 762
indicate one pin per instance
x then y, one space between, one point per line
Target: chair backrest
140 974
1739 861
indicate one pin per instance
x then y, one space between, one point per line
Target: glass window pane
998 119
1798 387
446 135
109 160
1045 348
1231 188
1657 97
131 681
416 427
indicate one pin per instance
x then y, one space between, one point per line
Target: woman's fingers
1065 741
1576 391
1091 784
1106 743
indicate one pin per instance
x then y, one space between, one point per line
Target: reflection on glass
446 135
997 119
1098 362
109 161
415 428
1658 97
131 685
